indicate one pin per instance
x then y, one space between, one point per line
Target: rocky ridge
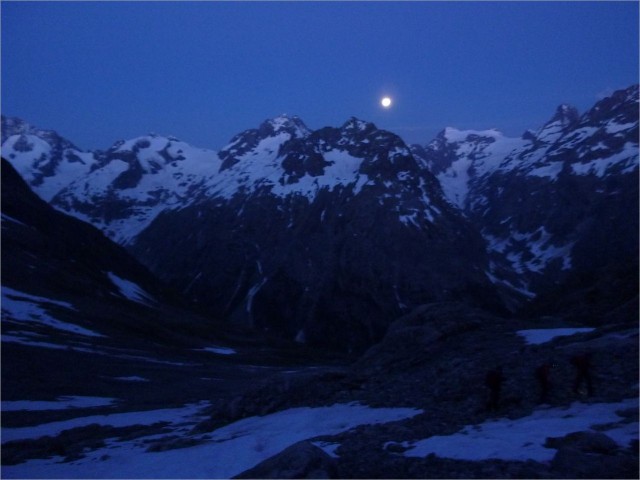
543 202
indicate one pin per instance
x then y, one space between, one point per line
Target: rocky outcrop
301 460
591 455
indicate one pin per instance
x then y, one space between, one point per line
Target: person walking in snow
582 364
493 381
543 376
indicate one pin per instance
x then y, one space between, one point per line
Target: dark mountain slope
80 316
341 233
555 207
47 254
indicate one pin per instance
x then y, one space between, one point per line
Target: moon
385 102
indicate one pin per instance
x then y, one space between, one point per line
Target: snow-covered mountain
323 236
65 283
286 225
120 190
45 160
327 237
133 181
560 199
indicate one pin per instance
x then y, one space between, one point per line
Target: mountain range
326 236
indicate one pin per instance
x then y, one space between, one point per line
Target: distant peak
529 134
451 134
286 123
564 118
356 124
17 126
566 115
171 138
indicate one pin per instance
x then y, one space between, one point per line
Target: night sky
204 71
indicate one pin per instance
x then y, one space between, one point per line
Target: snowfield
219 350
524 438
224 453
131 290
536 336
115 420
62 403
21 307
232 449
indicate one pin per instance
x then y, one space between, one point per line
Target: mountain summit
323 237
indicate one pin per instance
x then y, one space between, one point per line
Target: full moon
385 102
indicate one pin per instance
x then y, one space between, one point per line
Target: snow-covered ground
536 336
131 290
223 453
21 307
171 415
524 438
219 350
61 403
241 445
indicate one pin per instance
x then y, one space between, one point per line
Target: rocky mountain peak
271 134
354 124
564 119
285 123
620 107
567 115
15 126
364 140
43 158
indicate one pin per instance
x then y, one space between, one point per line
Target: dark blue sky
204 71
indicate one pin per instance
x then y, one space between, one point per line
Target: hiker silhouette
493 381
582 364
543 376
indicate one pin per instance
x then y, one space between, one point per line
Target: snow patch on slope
261 168
131 290
478 152
536 336
171 170
530 251
22 307
223 453
61 403
524 438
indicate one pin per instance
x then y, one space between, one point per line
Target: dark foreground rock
592 455
301 460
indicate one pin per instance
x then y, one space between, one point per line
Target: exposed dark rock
301 460
588 442
593 457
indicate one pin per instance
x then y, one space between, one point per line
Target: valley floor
214 413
